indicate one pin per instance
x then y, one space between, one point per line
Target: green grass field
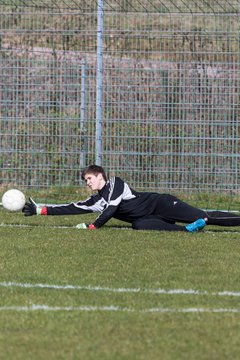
116 293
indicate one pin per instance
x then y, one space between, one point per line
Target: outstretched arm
81 207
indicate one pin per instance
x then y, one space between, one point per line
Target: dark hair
95 170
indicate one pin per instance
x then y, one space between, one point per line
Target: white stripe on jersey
115 202
111 183
126 195
97 207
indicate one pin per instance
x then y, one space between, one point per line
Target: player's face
95 182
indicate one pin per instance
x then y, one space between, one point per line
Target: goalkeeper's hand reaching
30 208
85 226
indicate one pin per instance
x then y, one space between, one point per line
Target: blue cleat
196 225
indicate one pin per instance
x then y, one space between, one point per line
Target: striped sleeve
92 204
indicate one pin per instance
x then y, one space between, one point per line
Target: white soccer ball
13 200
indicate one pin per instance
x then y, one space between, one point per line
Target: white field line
113 308
38 226
51 226
121 290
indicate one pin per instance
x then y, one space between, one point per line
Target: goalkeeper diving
114 198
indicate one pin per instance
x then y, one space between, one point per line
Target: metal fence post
99 82
83 116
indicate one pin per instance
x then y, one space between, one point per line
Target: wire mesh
171 92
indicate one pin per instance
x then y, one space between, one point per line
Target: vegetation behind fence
171 99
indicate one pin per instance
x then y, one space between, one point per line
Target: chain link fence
170 92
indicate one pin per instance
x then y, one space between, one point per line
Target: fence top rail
136 6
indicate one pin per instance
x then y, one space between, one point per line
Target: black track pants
222 218
154 222
172 210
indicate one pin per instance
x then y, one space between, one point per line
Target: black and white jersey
117 200
106 201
